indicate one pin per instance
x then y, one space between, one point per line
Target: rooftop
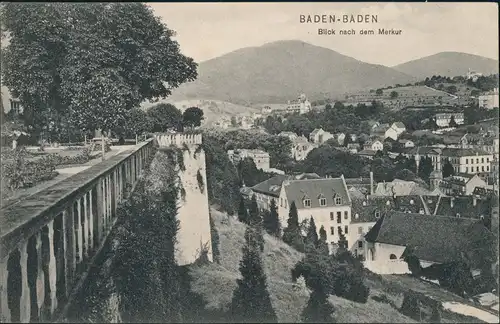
459 152
314 189
272 186
434 238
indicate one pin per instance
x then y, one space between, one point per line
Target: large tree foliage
91 63
192 117
164 117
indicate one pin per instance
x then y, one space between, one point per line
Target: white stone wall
178 139
193 213
378 259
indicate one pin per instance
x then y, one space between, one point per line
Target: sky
209 30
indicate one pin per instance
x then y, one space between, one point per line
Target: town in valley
283 182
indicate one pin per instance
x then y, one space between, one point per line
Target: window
338 201
322 201
15 106
393 257
466 161
466 169
339 230
477 160
360 244
360 230
331 216
307 202
346 214
377 214
487 168
482 168
281 202
477 169
487 159
332 230
482 160
339 217
346 229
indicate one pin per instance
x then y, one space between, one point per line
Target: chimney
371 182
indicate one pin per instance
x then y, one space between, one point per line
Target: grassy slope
217 282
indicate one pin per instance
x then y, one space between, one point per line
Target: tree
165 117
312 234
136 122
322 244
452 123
271 220
291 234
448 169
328 107
394 94
379 92
451 89
255 221
318 309
251 301
342 242
192 117
243 212
214 234
92 63
425 168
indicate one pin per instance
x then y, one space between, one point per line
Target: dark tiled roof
272 186
365 210
314 189
463 206
357 181
367 152
456 152
399 125
433 238
431 202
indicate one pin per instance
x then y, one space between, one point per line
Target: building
399 128
461 184
471 161
327 201
223 123
473 75
367 154
443 119
374 145
270 189
319 136
489 100
353 147
301 148
406 143
399 187
259 157
301 105
291 135
340 137
10 103
432 239
384 131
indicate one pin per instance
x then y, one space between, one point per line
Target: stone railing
49 240
177 139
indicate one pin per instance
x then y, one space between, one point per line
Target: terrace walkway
50 237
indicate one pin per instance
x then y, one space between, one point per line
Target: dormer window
364 203
458 215
322 201
338 201
307 202
377 214
388 203
411 202
356 216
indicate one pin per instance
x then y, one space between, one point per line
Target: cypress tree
215 240
318 309
312 233
291 234
322 244
251 301
242 211
255 221
342 242
271 220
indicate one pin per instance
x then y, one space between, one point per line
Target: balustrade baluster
4 305
24 315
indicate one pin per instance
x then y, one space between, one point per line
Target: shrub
201 184
410 306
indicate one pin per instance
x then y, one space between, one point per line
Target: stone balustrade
48 241
177 139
